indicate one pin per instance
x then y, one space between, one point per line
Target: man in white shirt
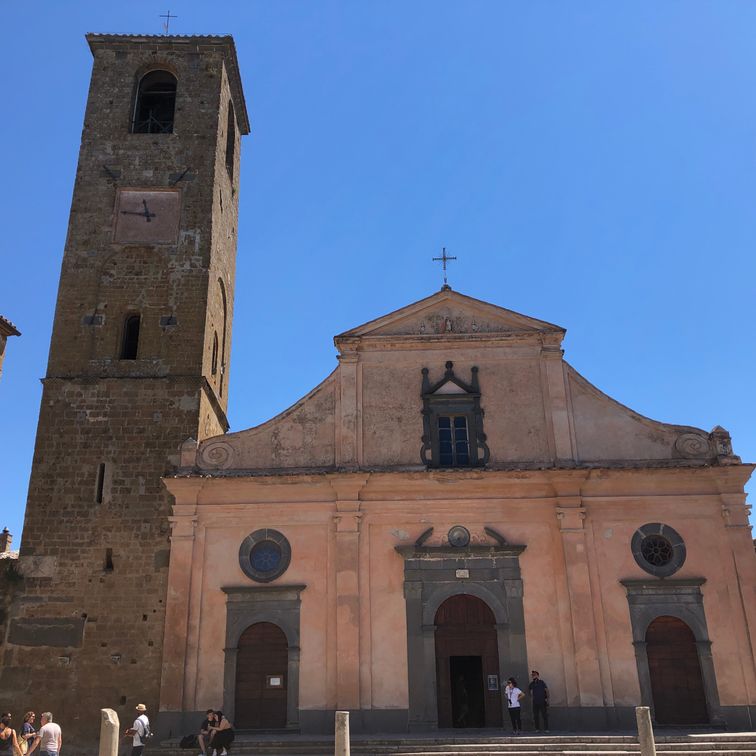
139 731
49 738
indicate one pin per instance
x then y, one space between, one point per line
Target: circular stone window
264 555
658 549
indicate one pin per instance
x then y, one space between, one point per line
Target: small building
453 505
6 329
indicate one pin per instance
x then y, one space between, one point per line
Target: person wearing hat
139 731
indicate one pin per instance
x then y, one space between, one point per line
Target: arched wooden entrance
261 672
676 681
466 655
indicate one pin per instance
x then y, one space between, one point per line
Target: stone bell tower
138 363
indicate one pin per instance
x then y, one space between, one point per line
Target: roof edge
445 293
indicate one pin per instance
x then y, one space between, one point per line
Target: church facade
452 506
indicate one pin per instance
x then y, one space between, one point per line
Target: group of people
539 694
216 734
46 741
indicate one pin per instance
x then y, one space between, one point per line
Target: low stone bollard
342 733
645 731
109 733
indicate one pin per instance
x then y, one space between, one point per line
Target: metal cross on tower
167 17
444 259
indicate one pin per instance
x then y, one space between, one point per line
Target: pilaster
558 403
183 525
346 520
348 415
571 518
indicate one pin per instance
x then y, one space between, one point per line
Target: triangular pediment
450 313
450 387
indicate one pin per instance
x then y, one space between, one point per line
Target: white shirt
141 725
513 697
49 734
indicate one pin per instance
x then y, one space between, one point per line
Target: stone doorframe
432 574
681 598
248 605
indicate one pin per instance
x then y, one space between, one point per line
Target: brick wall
86 629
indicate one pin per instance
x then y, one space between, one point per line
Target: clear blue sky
592 164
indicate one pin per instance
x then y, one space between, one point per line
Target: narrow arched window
214 359
130 344
230 139
155 103
223 335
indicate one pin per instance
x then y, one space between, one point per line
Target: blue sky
592 164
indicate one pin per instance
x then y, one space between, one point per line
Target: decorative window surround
453 422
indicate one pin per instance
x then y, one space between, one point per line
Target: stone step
494 751
691 745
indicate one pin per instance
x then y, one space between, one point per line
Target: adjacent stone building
6 329
453 505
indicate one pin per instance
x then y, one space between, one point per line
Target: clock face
147 216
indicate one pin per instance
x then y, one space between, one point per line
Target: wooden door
261 665
466 632
676 681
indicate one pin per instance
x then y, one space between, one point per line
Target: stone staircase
483 744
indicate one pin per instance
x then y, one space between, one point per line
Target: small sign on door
274 681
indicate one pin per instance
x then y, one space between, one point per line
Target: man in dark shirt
204 734
539 693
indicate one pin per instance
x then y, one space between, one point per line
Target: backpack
147 732
189 741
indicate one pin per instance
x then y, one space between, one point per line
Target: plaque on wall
493 682
147 216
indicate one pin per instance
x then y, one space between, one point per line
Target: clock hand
147 214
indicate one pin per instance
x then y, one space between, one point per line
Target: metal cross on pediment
166 24
443 260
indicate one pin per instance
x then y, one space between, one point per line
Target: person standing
27 731
514 695
539 693
8 740
139 731
49 739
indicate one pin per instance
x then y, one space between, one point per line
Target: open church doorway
676 680
261 672
467 664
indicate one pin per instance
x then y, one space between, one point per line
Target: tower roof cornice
184 43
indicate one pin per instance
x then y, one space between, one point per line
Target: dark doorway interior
261 666
466 656
468 707
676 681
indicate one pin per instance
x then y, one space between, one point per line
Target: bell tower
138 363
